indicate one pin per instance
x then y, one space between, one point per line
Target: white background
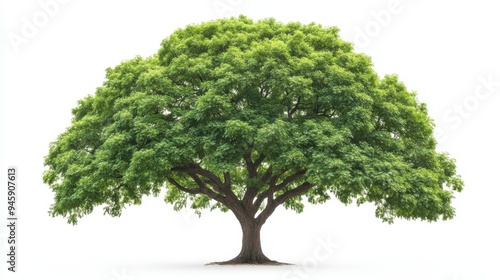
444 51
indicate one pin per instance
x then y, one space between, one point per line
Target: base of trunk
241 262
260 259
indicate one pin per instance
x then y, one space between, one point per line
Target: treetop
260 112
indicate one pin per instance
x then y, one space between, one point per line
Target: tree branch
201 190
214 181
272 182
290 179
272 205
273 188
304 187
184 189
251 191
267 175
259 160
291 112
252 166
227 180
195 169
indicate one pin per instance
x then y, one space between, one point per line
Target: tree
246 116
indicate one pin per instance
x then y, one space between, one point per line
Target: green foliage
286 109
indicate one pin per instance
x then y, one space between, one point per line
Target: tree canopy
244 115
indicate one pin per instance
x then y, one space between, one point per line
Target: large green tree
246 116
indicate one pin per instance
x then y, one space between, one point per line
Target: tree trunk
251 249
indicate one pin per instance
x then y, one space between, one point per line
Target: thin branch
202 186
290 179
184 189
265 194
199 171
272 205
214 180
273 188
267 175
259 160
291 112
304 187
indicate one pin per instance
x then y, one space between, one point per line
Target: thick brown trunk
251 249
